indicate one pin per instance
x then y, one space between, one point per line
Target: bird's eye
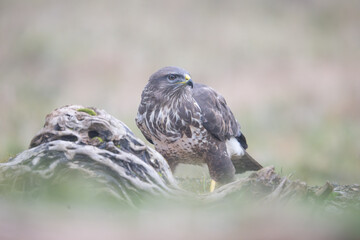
172 77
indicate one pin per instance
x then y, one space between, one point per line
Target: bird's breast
171 121
185 149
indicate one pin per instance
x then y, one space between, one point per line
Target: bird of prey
191 123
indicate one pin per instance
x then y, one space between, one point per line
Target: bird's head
170 80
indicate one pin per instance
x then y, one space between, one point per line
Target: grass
75 203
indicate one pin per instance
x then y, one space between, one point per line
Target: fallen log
97 145
93 144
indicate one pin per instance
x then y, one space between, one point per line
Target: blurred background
288 69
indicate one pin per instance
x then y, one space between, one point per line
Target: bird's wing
217 117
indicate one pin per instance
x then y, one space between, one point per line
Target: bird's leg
220 167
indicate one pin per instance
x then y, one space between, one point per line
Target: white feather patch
233 147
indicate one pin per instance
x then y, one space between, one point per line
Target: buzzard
191 123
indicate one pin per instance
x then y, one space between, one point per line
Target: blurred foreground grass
76 209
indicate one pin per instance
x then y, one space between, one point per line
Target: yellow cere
187 78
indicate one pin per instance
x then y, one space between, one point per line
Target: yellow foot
212 185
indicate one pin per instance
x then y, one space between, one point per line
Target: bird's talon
212 185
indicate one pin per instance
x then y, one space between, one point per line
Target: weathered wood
99 146
267 186
92 143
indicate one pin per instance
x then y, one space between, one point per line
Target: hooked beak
190 83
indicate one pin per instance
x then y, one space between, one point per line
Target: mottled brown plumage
191 123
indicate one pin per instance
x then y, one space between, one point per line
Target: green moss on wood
99 139
88 111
